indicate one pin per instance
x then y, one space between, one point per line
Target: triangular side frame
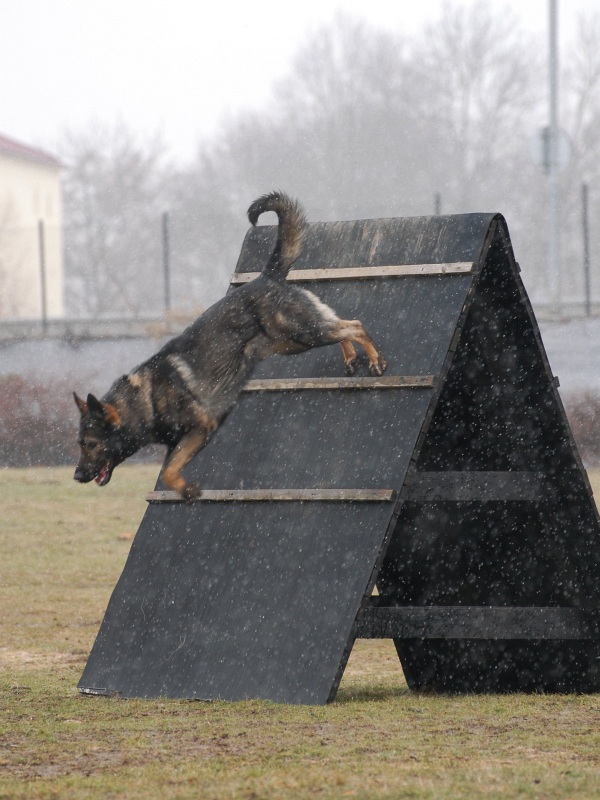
490 578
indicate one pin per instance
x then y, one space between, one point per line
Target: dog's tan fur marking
352 330
184 451
112 415
136 380
142 381
184 370
182 454
349 351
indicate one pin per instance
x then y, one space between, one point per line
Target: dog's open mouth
103 477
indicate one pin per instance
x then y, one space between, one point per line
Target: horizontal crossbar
360 273
431 487
476 622
298 384
279 495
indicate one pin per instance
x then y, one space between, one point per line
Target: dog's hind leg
350 357
348 331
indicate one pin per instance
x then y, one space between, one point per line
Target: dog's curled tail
292 228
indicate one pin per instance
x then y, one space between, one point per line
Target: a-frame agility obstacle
453 485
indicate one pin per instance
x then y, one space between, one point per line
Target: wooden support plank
431 487
297 384
360 273
280 495
477 622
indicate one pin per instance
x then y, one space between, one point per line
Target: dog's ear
104 410
94 406
81 405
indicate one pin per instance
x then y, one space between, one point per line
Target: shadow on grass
377 694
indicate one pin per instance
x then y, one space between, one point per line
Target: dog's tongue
102 476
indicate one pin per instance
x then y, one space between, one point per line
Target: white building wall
30 192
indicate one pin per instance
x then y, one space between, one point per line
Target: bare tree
338 133
368 124
480 75
208 202
580 117
581 105
113 191
349 115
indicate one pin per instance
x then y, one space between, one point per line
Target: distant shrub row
583 411
38 424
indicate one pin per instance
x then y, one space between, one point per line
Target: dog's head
99 440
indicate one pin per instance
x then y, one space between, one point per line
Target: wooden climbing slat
470 486
477 622
297 384
361 273
280 495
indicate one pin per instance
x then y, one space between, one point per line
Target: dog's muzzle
83 476
101 476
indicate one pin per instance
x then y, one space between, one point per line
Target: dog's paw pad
350 367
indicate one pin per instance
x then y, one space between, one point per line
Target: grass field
62 548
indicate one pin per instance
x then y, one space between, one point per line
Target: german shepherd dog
180 395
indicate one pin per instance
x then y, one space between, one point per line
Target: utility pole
554 255
586 248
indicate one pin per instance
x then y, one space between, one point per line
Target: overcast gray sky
178 66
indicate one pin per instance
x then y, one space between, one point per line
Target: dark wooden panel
412 321
376 242
499 409
488 665
315 440
428 487
477 622
492 554
236 601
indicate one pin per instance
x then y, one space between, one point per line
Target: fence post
42 254
586 248
166 260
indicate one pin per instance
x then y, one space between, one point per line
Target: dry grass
63 547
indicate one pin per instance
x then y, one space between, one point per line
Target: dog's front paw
350 367
377 370
191 492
